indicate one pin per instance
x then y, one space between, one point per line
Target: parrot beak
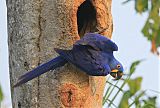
114 70
115 73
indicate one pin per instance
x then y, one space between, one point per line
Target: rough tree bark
35 28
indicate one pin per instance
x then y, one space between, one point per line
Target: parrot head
116 69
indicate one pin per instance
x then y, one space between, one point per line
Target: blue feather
50 65
93 54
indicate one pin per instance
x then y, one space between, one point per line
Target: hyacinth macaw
93 54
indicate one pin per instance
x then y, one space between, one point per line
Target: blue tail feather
50 65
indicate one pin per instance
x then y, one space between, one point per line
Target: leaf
151 29
134 85
142 93
133 66
124 101
141 5
136 100
106 93
150 102
126 1
147 31
157 40
1 94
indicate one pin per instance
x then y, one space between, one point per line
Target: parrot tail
50 65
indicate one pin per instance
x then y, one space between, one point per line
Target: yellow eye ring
118 66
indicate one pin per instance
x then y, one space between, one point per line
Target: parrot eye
118 66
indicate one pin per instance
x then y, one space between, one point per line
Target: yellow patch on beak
115 70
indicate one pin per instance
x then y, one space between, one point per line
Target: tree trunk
35 28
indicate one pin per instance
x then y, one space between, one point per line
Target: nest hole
86 18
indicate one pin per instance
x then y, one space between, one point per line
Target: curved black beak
116 74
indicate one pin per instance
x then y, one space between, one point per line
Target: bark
35 28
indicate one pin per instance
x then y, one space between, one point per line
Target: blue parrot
93 54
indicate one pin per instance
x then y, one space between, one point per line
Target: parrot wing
82 58
98 42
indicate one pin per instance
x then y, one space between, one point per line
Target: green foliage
124 101
134 85
1 94
133 96
133 66
151 29
150 102
141 5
